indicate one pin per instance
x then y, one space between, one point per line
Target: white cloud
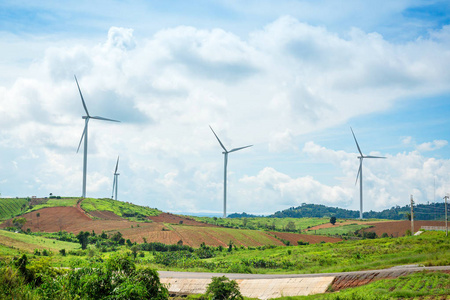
431 146
283 80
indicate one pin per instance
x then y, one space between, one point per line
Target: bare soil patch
175 219
355 280
293 238
399 228
105 215
70 219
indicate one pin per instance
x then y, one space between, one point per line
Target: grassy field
263 223
338 230
28 243
433 285
56 202
11 207
429 249
122 209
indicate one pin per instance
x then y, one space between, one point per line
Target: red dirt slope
312 239
398 228
174 219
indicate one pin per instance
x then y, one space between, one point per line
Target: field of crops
263 223
11 207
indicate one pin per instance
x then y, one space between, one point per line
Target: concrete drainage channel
266 286
255 288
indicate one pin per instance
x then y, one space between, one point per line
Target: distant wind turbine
225 152
360 175
116 180
85 136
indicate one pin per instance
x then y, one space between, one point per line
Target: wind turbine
225 153
116 180
360 175
85 136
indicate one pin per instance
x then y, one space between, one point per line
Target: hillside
11 207
432 211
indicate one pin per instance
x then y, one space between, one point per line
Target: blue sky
290 77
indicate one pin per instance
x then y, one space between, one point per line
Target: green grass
339 230
56 202
423 285
264 223
430 249
27 243
120 208
11 207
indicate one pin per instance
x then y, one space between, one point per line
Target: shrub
223 288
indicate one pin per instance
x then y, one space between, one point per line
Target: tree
290 226
83 239
222 288
333 220
19 222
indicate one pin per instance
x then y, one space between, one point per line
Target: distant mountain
432 211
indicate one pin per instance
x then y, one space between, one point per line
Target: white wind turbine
116 181
225 153
360 175
85 136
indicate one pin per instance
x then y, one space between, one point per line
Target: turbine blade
117 165
83 134
223 147
104 119
82 99
369 156
240 148
359 171
356 142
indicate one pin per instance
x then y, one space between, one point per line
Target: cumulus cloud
283 80
388 182
430 146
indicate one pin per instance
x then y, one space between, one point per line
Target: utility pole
446 219
412 215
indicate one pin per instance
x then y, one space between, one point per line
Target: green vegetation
339 230
433 285
264 223
26 242
52 202
122 209
116 278
432 211
11 207
223 288
431 248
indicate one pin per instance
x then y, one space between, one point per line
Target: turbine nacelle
84 135
225 153
359 174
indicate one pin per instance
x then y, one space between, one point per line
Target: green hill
431 211
122 209
11 207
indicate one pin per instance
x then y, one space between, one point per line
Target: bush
223 288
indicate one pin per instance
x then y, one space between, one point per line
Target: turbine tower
116 180
85 136
360 175
225 153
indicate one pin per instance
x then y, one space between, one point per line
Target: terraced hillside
11 207
139 224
